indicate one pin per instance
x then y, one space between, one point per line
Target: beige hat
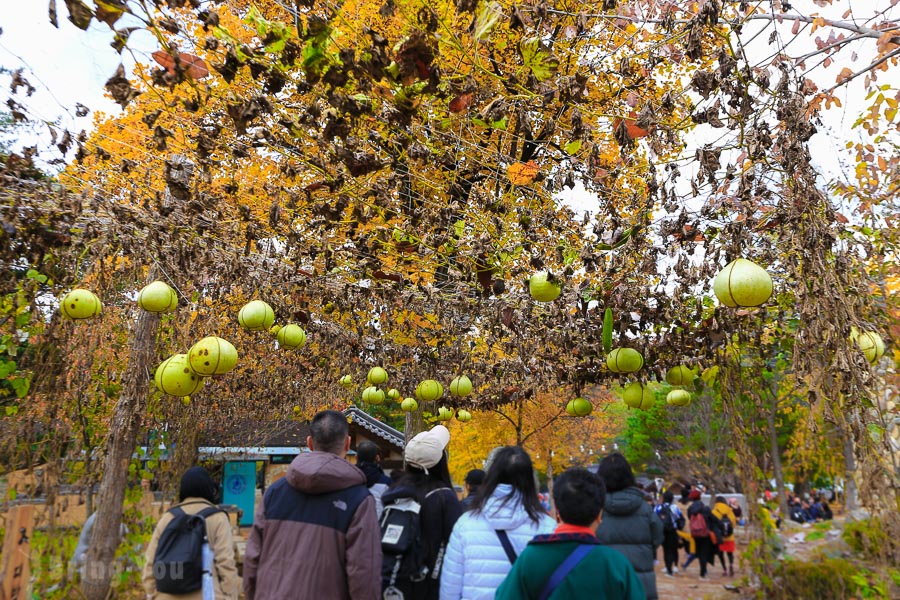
426 448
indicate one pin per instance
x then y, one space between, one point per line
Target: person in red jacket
315 534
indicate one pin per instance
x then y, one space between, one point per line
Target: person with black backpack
705 529
673 522
420 510
174 560
723 512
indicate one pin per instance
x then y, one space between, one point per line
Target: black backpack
665 513
402 547
178 563
727 527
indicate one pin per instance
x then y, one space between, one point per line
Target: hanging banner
240 488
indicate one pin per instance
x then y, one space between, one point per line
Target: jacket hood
510 515
322 472
399 491
374 474
697 506
624 502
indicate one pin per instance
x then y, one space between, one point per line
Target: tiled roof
287 433
373 425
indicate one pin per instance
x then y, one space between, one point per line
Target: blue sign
240 488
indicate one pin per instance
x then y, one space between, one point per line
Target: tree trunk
519 439
126 421
851 495
126 418
415 423
776 461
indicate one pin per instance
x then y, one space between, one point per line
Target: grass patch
823 579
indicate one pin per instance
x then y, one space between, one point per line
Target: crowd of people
331 529
809 510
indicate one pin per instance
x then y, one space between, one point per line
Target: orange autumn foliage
545 427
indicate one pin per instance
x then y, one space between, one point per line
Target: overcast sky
66 65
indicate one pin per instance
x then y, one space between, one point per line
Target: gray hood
624 502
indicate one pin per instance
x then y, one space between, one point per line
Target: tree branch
504 415
542 427
847 25
828 47
780 18
881 60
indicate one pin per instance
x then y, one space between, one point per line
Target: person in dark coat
315 534
706 549
427 480
629 523
368 459
668 510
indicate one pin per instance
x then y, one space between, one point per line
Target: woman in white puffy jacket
476 563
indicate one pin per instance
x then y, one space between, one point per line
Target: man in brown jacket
315 534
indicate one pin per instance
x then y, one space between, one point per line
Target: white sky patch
66 66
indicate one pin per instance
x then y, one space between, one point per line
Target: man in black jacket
368 459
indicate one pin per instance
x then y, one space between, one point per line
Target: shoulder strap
436 490
177 510
564 569
206 512
507 545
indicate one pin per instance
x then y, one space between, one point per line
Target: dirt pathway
686 584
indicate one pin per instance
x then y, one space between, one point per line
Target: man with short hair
368 459
570 562
315 534
474 478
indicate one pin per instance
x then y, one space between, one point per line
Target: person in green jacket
601 574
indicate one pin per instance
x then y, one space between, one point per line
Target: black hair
511 465
329 430
616 472
721 499
579 496
668 496
437 476
366 451
475 478
196 483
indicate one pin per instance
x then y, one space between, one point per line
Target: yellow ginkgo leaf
522 173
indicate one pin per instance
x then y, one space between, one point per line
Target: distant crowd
331 529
